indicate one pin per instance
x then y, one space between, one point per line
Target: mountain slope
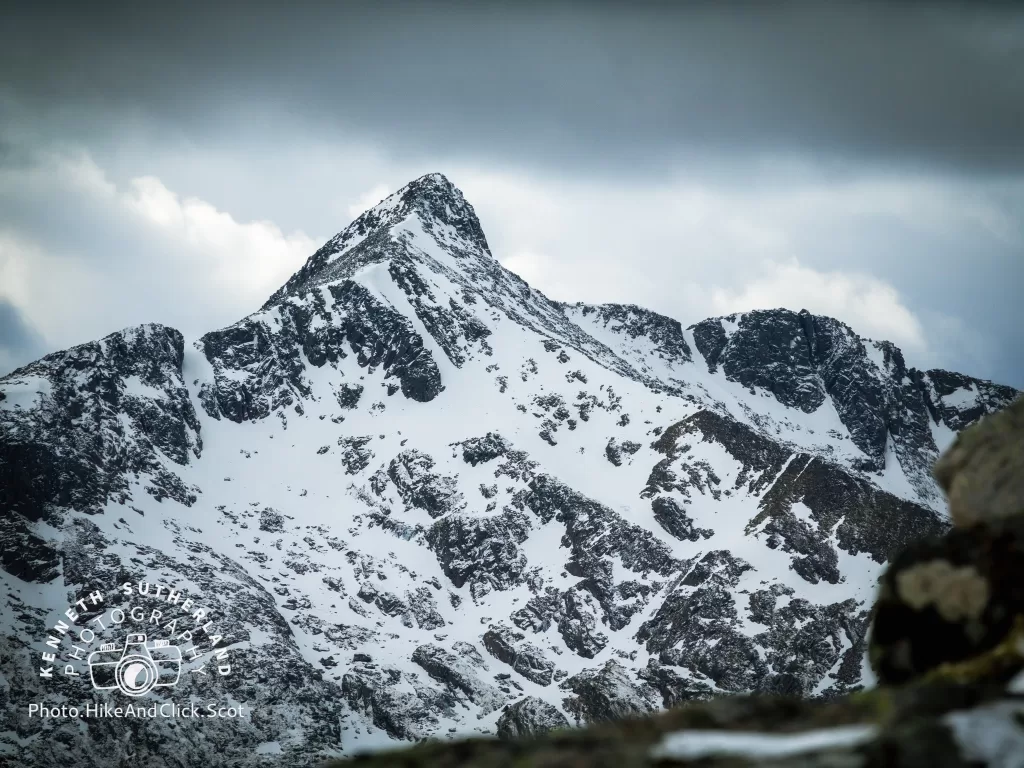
423 498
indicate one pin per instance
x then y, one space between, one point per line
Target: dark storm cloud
590 84
174 162
19 342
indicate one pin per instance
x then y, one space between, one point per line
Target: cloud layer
94 258
555 83
860 159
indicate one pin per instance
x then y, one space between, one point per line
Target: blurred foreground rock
935 725
983 472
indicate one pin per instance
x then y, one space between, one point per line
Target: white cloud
689 246
251 259
368 199
870 306
142 253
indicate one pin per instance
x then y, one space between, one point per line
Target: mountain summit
421 498
430 205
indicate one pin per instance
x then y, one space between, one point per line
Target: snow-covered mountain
420 498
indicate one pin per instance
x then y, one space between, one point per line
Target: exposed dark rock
482 550
460 674
510 647
477 450
355 323
945 390
674 688
607 694
402 713
675 521
698 627
424 608
419 488
93 416
271 521
663 333
529 717
614 450
859 516
348 395
803 358
355 453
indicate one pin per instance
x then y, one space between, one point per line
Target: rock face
322 327
425 500
529 716
76 424
608 693
947 641
804 359
528 660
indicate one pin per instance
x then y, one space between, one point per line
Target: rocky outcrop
673 518
698 627
510 647
76 425
418 487
396 702
653 344
529 717
608 693
460 674
617 452
481 551
478 450
802 359
259 364
838 508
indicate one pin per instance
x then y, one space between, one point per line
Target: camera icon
137 668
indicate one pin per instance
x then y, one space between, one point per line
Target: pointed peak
437 205
435 199
437 181
432 198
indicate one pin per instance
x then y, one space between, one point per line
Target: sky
176 163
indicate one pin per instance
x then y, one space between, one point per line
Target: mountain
411 496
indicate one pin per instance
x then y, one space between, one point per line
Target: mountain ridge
434 501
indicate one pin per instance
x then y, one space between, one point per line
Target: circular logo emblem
136 675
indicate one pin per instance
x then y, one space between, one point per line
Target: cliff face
425 500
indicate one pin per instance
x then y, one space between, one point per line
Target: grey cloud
20 343
290 114
592 85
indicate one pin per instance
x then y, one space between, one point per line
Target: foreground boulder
959 598
950 600
983 473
